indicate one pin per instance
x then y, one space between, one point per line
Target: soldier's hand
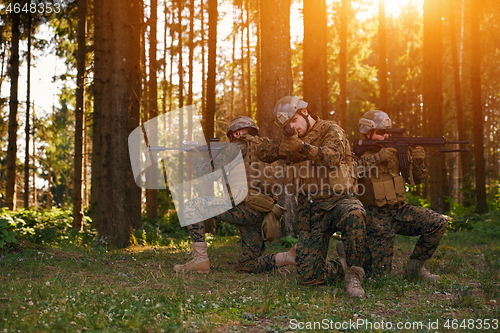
387 154
418 155
248 137
290 143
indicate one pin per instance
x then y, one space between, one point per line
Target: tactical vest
382 185
307 178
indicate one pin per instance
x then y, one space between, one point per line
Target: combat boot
341 254
200 262
286 258
353 276
416 270
353 281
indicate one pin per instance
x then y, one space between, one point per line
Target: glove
418 155
248 137
290 143
387 154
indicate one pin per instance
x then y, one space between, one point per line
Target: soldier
388 213
322 175
248 215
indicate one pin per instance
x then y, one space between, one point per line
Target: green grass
81 289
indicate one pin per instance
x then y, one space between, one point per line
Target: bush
7 234
52 227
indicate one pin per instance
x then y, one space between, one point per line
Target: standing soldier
387 211
322 175
249 215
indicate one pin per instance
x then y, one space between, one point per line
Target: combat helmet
374 119
242 122
286 108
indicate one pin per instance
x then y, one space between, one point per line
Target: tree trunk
203 63
116 197
477 110
209 114
191 46
180 68
13 105
248 58
382 50
243 80
152 103
275 81
233 66
79 116
344 16
27 125
315 71
462 134
433 99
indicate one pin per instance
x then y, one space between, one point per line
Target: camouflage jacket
329 146
371 160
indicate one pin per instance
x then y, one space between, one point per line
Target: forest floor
82 289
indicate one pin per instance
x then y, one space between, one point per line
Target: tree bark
344 16
457 83
275 61
477 109
433 99
27 131
79 115
152 103
275 82
209 114
314 63
382 50
13 106
116 197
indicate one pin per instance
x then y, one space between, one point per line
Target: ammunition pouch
271 223
383 191
259 201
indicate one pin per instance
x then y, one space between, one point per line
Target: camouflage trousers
384 223
318 220
249 222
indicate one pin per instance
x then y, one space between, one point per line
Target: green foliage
51 227
464 216
493 192
416 200
7 234
160 231
226 229
288 241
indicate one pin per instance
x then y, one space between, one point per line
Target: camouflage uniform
323 209
395 216
248 220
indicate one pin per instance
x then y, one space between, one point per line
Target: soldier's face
240 132
378 135
299 123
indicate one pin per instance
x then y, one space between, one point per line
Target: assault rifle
194 146
401 144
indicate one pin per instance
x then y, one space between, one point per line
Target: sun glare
393 7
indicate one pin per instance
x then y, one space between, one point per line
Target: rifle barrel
457 142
